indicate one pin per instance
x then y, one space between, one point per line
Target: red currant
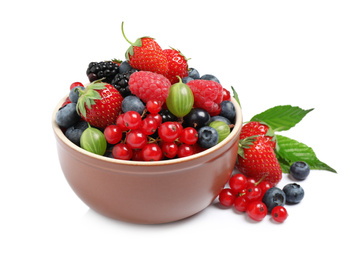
67 101
154 106
137 155
185 150
151 152
179 125
132 119
149 126
170 150
253 193
156 117
113 134
76 84
168 131
279 214
256 210
121 123
122 151
136 139
226 94
250 182
188 135
264 186
241 203
226 197
238 182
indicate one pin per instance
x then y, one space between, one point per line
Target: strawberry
177 65
257 159
99 104
146 54
259 128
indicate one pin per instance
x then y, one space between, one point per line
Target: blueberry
193 73
74 132
274 197
228 110
75 94
299 170
197 118
220 118
124 67
210 77
294 193
207 137
185 80
67 116
132 103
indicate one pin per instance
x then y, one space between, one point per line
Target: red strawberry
259 128
99 104
146 54
257 159
177 65
208 95
149 86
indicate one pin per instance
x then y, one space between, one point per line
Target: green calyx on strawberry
99 104
146 54
258 140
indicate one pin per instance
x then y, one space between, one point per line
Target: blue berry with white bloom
300 170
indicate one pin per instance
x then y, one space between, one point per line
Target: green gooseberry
180 99
222 128
93 140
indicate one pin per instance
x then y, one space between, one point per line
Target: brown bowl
148 192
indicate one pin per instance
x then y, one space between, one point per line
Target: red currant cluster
132 136
246 196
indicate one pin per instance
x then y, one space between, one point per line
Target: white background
303 53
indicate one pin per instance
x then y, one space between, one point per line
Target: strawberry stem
131 43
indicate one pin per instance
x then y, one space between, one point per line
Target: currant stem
262 178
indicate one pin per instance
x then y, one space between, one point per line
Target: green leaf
236 97
285 165
291 151
281 118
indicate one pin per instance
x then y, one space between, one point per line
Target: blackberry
103 69
120 82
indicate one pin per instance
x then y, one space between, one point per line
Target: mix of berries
259 198
153 106
150 107
254 189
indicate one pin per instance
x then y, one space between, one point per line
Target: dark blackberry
120 82
103 69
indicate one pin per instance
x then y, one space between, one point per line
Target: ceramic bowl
148 192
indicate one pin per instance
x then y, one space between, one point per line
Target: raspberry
208 95
149 86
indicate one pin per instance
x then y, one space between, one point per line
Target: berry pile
150 107
258 199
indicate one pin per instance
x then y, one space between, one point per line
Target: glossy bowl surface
148 192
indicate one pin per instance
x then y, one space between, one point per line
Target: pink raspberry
208 95
149 86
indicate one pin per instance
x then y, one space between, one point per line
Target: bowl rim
58 132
